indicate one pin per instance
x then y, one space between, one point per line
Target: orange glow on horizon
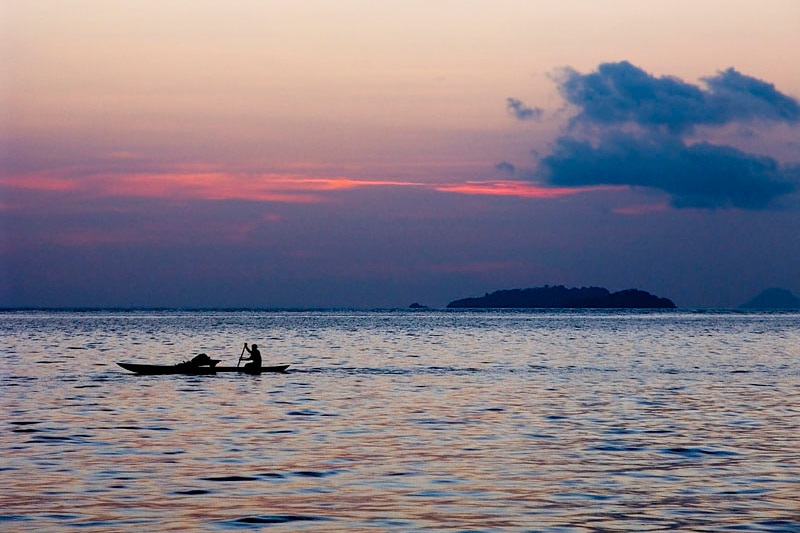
191 184
198 182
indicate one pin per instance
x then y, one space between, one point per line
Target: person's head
255 346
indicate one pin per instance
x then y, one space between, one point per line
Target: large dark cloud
699 175
640 137
619 93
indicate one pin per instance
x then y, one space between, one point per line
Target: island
560 297
774 298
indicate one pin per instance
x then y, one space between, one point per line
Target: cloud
639 136
506 167
517 189
620 93
738 97
520 111
640 209
186 183
199 182
698 176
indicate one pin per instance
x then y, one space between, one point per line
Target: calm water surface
403 421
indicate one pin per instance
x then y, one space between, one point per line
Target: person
255 357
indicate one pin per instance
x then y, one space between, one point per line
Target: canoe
242 369
196 370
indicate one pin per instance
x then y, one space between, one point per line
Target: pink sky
348 153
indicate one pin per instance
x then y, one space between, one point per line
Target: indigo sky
374 154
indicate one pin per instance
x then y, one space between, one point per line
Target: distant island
773 299
560 297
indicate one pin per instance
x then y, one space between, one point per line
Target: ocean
431 420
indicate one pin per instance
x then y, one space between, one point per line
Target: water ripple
434 421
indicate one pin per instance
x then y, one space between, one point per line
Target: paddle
240 357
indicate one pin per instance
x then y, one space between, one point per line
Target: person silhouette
255 357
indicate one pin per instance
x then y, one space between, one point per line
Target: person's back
255 357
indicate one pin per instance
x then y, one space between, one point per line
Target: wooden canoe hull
153 370
243 370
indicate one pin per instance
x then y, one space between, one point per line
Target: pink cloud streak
519 189
202 183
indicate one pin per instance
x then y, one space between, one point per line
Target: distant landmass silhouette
561 297
773 298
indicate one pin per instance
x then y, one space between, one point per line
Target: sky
198 153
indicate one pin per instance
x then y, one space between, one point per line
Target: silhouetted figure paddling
255 357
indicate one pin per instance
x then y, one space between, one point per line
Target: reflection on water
403 422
